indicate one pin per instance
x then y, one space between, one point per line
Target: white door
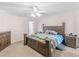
31 27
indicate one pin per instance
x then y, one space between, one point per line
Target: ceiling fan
36 12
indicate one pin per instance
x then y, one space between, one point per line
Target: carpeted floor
19 50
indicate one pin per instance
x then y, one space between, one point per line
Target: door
31 27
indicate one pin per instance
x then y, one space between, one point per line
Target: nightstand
71 41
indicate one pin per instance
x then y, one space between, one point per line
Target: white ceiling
24 8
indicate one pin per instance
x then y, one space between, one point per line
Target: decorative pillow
39 33
51 32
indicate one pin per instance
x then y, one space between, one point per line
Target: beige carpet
19 50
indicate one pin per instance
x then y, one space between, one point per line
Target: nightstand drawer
70 41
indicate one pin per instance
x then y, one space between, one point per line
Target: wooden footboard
43 48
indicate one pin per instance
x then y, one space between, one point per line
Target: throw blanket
58 39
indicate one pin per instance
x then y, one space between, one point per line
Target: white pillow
51 32
47 31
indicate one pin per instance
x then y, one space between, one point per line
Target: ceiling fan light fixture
38 14
33 15
35 9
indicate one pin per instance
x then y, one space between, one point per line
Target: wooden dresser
5 40
72 41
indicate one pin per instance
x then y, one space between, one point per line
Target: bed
43 46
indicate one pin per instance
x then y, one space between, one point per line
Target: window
31 27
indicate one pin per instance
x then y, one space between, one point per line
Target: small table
71 41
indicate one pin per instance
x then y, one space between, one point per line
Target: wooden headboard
59 29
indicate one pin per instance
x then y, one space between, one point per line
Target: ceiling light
33 15
38 14
35 9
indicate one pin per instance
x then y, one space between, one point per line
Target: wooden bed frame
44 47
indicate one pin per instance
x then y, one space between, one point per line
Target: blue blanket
58 39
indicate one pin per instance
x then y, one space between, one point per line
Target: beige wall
70 18
17 25
77 22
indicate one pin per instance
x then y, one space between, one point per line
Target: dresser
5 39
71 41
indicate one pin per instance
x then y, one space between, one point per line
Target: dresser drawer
4 40
0 45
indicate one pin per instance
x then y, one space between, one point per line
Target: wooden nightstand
71 41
